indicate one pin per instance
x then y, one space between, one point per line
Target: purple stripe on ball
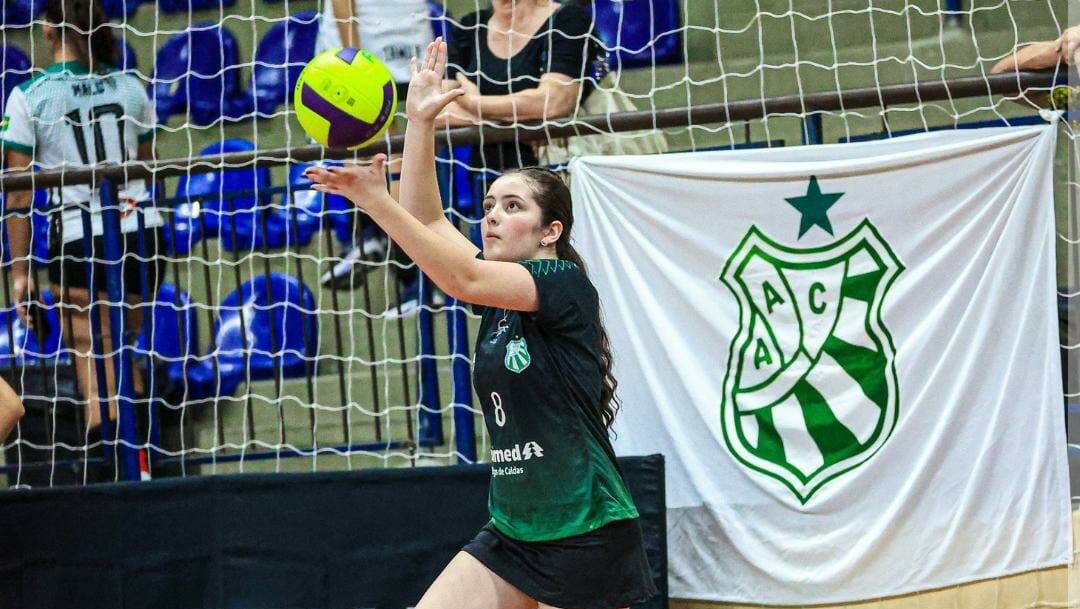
347 130
347 55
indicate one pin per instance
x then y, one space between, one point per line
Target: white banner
848 354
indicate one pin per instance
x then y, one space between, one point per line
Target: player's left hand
364 185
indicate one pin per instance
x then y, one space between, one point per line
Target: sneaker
409 304
347 273
410 301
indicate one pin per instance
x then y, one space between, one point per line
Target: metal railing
809 108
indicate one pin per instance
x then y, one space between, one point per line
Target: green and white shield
811 388
517 357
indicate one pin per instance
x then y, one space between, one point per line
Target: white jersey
67 118
393 30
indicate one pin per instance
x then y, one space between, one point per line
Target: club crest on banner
811 390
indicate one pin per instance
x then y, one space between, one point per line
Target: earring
543 243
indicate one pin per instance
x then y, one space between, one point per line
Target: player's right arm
419 186
345 16
17 140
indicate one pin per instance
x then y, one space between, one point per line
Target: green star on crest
814 207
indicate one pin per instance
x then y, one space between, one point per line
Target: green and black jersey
538 378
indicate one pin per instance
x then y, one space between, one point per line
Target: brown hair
80 24
553 197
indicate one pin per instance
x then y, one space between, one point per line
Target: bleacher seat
336 210
14 70
186 6
279 334
208 194
22 344
119 9
440 23
643 33
205 82
280 57
170 330
17 13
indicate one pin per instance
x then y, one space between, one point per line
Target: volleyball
345 98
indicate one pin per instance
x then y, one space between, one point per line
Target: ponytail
555 203
609 402
82 27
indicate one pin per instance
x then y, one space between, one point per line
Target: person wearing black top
518 61
564 529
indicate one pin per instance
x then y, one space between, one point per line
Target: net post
122 359
457 330
812 132
429 424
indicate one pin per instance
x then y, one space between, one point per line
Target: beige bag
606 99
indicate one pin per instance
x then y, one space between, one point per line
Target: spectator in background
1044 55
11 409
395 31
518 61
81 112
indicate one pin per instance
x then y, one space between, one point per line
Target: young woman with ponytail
564 530
75 113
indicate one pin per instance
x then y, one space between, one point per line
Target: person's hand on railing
1069 46
427 98
470 98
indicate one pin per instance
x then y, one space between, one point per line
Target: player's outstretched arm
419 185
452 267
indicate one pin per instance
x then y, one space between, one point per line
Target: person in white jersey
395 32
81 112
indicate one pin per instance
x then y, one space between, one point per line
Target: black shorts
68 264
602 569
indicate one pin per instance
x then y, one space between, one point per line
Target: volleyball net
287 333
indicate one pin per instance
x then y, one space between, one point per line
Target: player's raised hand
364 185
426 95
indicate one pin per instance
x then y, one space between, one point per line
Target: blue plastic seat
186 6
335 211
440 23
279 334
17 13
170 330
197 70
208 194
118 9
642 33
282 54
22 343
14 70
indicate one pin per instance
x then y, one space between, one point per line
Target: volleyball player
80 112
564 531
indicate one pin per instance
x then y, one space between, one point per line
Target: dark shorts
68 264
603 569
